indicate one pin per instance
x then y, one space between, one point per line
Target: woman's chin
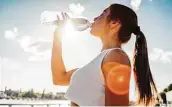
93 33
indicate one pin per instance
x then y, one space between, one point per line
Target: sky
25 43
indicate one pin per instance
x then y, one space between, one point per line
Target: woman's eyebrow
104 11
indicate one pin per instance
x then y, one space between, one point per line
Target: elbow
57 78
57 81
61 82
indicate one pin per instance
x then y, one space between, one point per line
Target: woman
105 80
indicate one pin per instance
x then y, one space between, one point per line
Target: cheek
100 25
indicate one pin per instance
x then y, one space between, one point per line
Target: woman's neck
109 46
109 42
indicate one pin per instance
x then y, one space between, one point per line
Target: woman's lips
92 25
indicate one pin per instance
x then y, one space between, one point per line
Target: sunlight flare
117 75
69 32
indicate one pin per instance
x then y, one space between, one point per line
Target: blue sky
24 66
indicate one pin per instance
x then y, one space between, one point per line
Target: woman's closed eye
102 15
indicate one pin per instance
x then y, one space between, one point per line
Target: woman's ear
114 24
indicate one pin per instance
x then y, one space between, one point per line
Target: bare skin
113 60
59 73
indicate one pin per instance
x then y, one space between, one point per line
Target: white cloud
156 55
41 45
11 34
76 9
161 56
135 4
40 56
36 58
40 50
166 57
15 30
38 46
24 41
10 64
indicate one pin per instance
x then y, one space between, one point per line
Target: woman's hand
61 25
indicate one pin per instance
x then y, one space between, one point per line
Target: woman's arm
60 76
74 104
117 71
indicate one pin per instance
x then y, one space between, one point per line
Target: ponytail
144 81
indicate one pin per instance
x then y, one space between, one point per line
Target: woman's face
100 26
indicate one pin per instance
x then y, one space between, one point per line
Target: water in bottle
50 18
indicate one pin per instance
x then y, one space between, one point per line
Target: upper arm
117 56
117 70
65 79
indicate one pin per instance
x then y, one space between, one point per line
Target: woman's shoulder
117 56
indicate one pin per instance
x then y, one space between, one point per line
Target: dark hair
144 81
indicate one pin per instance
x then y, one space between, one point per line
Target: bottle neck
80 24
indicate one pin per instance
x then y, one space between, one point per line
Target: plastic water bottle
79 24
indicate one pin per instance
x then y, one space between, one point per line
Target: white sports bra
87 83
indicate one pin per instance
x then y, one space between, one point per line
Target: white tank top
87 83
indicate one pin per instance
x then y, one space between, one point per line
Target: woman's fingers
67 16
58 18
63 16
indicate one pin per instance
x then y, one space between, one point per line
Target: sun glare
69 32
117 75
